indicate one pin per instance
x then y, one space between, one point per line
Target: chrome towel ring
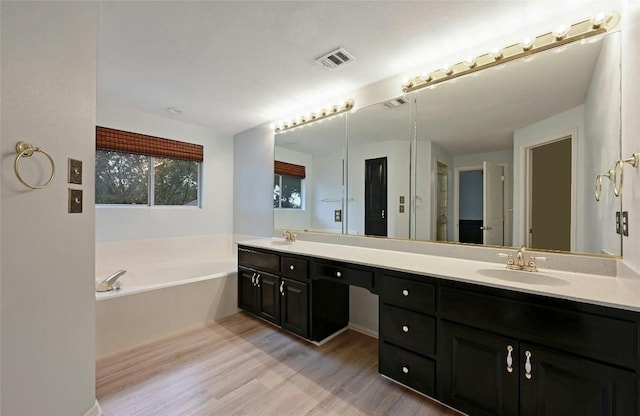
634 161
24 149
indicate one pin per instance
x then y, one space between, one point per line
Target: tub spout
110 282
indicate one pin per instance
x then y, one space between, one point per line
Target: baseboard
95 410
363 330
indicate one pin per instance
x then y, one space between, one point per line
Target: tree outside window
287 191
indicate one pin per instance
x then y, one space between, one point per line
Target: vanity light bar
313 117
563 35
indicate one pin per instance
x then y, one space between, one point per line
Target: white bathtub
159 300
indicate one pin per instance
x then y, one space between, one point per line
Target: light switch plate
401 209
402 199
75 201
75 171
337 215
625 223
617 222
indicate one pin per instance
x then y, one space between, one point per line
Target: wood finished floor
243 366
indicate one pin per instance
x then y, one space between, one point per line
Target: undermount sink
531 278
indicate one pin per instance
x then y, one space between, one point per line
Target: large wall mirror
504 156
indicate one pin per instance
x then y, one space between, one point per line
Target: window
134 169
287 191
288 185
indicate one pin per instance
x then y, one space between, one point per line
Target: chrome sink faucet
111 282
520 263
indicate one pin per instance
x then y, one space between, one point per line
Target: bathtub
158 300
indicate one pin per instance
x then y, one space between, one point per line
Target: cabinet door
269 307
561 384
247 291
294 310
474 375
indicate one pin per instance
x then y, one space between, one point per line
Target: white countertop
596 289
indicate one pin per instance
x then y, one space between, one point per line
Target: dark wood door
474 374
248 294
561 384
375 195
269 297
294 312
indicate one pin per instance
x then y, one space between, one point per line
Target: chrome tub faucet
111 282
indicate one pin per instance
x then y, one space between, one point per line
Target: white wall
327 186
139 223
48 304
602 131
253 182
631 130
296 219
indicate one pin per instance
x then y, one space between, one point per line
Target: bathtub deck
242 366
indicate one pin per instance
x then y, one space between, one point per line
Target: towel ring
609 175
24 149
634 161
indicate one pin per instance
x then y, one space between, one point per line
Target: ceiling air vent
396 102
335 58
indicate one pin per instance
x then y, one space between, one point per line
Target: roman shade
284 168
128 142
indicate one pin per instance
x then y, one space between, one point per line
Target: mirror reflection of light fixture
319 115
562 35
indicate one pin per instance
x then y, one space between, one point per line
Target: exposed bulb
470 61
560 32
447 69
496 53
526 43
599 19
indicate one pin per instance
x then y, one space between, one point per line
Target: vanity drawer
258 260
563 325
408 368
408 329
342 273
294 268
409 294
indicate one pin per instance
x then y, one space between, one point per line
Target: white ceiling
233 65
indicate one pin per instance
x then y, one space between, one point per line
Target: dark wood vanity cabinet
278 288
478 349
489 351
263 292
507 353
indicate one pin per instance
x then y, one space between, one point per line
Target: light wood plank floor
243 366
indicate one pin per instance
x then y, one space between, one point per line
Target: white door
492 218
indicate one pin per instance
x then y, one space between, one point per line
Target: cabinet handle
258 280
291 267
405 370
405 328
509 359
253 279
405 292
338 274
282 288
527 365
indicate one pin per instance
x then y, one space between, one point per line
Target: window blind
284 168
128 142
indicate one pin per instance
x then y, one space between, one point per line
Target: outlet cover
75 201
337 215
75 171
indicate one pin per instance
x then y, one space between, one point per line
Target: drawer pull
509 359
338 274
527 365
405 370
291 267
282 288
405 292
405 328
